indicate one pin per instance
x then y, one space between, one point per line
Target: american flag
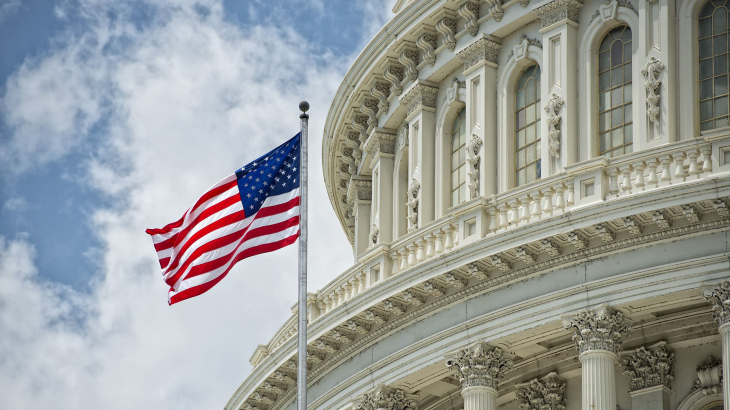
255 210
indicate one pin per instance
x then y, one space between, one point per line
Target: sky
115 115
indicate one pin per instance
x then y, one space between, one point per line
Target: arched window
527 126
458 158
615 132
713 30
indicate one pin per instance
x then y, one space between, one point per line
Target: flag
255 210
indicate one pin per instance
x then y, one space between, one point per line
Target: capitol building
537 194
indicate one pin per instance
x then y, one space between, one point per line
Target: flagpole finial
304 107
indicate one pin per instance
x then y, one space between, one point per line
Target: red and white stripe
198 251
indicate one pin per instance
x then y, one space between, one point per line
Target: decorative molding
610 3
476 272
552 108
420 95
358 326
452 92
552 247
479 365
359 189
649 367
369 107
455 280
483 50
605 232
446 25
557 11
662 219
414 298
408 56
381 140
472 157
651 72
691 212
501 263
376 316
520 48
386 398
495 9
394 75
433 288
360 124
470 12
601 328
394 306
721 207
633 225
709 376
381 91
426 41
546 393
412 204
719 297
525 255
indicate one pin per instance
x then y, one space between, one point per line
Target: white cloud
184 102
16 204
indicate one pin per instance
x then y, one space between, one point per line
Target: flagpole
302 333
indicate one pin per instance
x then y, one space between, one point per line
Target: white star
295 158
245 185
295 168
257 180
277 179
248 195
251 206
261 191
269 175
262 172
289 177
257 199
284 184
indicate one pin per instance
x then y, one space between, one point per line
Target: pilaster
359 194
720 298
480 70
598 335
559 25
420 101
381 147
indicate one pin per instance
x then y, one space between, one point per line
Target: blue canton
274 173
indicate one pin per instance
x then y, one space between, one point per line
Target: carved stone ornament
709 376
601 328
479 365
408 56
426 41
412 204
472 157
480 51
495 9
360 124
369 106
386 398
359 190
607 11
546 393
420 96
470 12
553 106
578 240
557 11
381 91
381 140
721 207
720 299
452 93
649 367
374 231
519 51
651 72
394 75
447 27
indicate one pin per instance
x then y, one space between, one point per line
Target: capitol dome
536 194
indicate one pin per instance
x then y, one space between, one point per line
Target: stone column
720 299
383 397
479 368
380 147
420 102
651 371
559 83
598 336
359 194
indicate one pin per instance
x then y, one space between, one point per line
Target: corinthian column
598 336
479 369
720 299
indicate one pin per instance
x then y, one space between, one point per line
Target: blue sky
114 116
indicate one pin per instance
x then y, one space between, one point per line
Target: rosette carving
479 365
602 328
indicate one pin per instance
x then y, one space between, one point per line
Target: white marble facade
537 197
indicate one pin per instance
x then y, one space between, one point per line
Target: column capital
482 51
599 329
720 298
383 397
709 376
557 11
545 393
479 365
421 95
649 367
381 140
359 189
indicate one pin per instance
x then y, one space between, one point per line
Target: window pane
530 88
520 158
604 101
605 44
520 99
617 117
719 20
628 134
627 73
604 61
537 133
707 9
706 88
721 64
604 80
627 93
530 135
537 148
531 173
617 95
706 110
462 156
617 137
454 142
617 76
603 142
520 119
455 160
537 88
538 111
627 50
705 27
454 198
721 122
628 149
530 153
720 86
521 81
521 139
719 44
721 106
628 117
538 170
706 126
705 48
530 114
521 177
627 34
604 120
617 53
705 68
617 152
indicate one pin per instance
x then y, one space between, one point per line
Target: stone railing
589 183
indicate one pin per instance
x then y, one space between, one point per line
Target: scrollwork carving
552 108
412 204
472 157
470 12
447 27
651 72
